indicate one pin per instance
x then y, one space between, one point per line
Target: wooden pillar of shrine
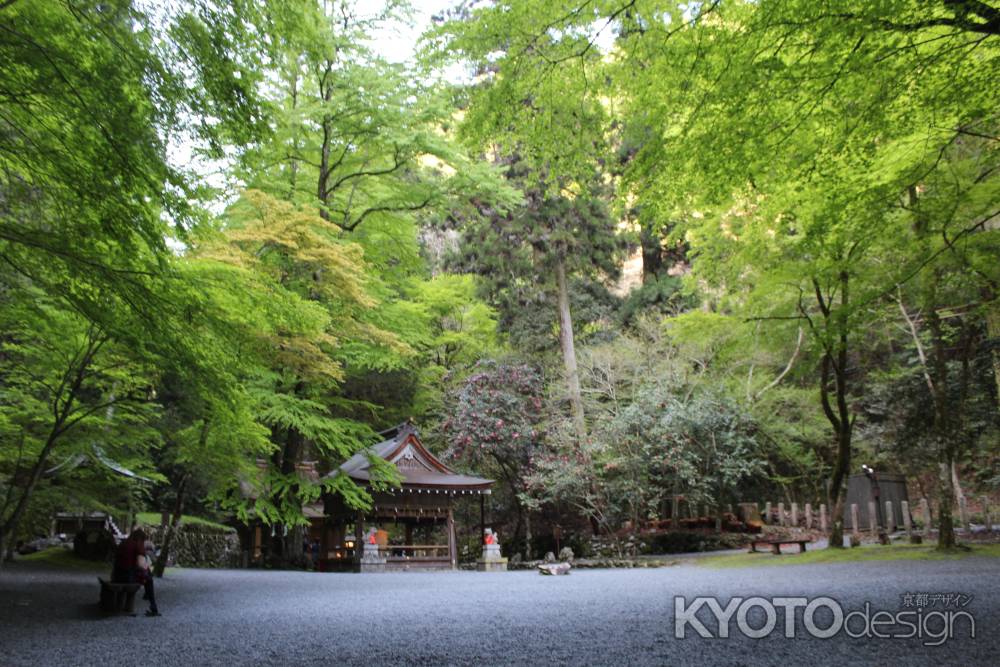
359 537
482 516
452 542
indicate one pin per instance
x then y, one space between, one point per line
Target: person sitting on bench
132 567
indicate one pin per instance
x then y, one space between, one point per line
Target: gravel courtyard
599 617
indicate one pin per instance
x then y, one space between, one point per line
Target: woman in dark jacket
132 567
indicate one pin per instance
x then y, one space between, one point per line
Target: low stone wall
664 542
604 563
199 546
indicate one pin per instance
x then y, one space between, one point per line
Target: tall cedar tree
535 249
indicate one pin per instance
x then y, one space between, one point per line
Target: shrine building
414 524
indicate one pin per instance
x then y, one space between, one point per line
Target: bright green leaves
297 249
336 439
71 395
537 94
362 140
462 329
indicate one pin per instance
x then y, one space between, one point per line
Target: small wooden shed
887 487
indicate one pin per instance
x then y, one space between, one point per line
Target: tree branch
350 227
921 355
788 367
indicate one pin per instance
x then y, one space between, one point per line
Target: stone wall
664 542
199 546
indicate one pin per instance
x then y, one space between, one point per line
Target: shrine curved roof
419 468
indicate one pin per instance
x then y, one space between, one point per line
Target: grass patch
60 558
63 559
858 555
153 519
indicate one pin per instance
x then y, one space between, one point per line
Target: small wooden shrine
426 497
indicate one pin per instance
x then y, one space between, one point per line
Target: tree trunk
325 168
527 534
3 547
283 549
168 537
946 494
946 420
836 500
9 527
515 538
569 356
293 168
835 361
652 254
956 484
73 380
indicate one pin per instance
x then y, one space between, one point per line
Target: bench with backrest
776 543
118 598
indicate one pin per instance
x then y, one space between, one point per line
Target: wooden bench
776 545
118 598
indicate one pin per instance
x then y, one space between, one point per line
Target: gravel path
599 617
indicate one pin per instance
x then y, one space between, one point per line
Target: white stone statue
491 560
491 545
370 552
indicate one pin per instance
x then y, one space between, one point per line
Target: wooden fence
888 517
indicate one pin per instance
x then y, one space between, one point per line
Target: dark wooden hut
879 488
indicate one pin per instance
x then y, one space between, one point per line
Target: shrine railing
405 551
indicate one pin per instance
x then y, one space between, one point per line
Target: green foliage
362 140
518 254
496 416
68 387
451 330
153 519
705 445
316 324
92 91
825 175
528 315
537 95
675 542
662 295
657 445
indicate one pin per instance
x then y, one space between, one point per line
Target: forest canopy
633 250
